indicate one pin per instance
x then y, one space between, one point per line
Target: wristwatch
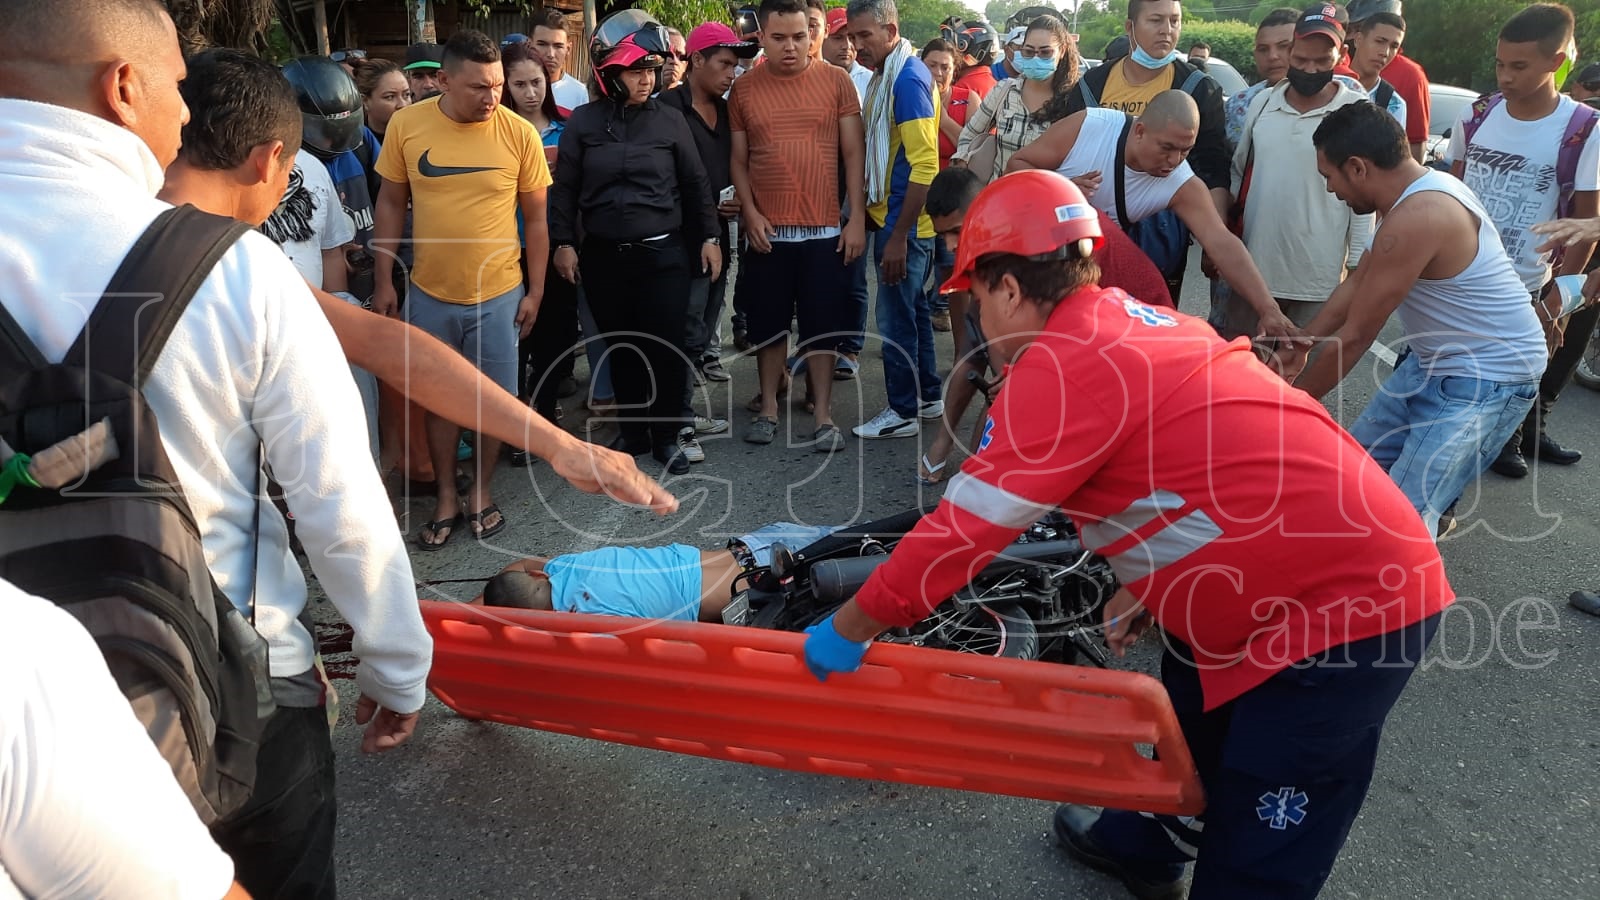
564 247
715 242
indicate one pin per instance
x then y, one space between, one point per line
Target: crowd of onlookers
730 166
804 166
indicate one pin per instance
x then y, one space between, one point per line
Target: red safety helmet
1033 213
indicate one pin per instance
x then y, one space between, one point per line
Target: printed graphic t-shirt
791 124
309 219
1511 166
1132 98
464 179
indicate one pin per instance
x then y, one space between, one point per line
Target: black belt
649 243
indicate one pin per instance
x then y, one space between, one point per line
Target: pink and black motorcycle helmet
628 39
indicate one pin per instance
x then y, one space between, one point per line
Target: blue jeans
944 260
1434 434
856 303
910 368
594 347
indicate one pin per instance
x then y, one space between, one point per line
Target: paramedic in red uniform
1295 585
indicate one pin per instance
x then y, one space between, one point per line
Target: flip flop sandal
827 439
478 517
762 430
845 369
435 527
933 477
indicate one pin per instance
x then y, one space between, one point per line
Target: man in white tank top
1155 176
1476 349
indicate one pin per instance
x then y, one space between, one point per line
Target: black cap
1589 77
424 56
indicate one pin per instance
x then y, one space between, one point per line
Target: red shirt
979 80
1411 83
1124 266
1252 526
962 103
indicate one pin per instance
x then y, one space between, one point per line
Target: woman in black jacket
628 168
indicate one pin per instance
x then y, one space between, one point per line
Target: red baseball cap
1325 19
838 17
714 35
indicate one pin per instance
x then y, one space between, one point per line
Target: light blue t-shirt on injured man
639 582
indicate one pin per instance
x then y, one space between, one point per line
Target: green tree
1455 39
1232 41
684 15
919 19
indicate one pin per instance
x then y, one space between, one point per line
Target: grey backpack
92 518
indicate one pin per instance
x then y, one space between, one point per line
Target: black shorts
804 279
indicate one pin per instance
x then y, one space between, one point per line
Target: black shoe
1447 523
1585 601
1510 462
621 444
1071 827
566 387
670 456
1548 451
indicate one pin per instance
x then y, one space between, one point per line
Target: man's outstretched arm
1355 314
444 383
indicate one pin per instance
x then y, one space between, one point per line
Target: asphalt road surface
1487 787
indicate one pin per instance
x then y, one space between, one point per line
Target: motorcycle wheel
1003 630
1588 371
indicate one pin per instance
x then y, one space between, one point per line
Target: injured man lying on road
672 582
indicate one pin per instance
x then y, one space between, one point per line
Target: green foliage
919 19
1455 39
684 15
1232 41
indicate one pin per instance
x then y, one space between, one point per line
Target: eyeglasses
1030 53
340 56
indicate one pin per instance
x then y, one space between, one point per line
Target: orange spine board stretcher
910 715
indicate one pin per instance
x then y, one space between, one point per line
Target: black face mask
1308 84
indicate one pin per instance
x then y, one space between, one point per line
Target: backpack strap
1119 168
1481 108
1384 95
1192 83
150 291
18 354
1090 101
1577 133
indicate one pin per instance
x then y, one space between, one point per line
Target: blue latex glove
828 651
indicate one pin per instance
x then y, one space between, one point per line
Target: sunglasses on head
340 56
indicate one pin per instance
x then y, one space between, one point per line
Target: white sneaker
930 409
690 447
704 425
887 424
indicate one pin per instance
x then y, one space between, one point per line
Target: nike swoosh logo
429 170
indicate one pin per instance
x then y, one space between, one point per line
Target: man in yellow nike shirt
466 166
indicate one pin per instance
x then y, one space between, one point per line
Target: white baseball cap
1016 35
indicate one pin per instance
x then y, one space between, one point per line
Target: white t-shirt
88 808
1397 103
570 92
1511 166
1301 237
310 219
1096 151
859 76
252 366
